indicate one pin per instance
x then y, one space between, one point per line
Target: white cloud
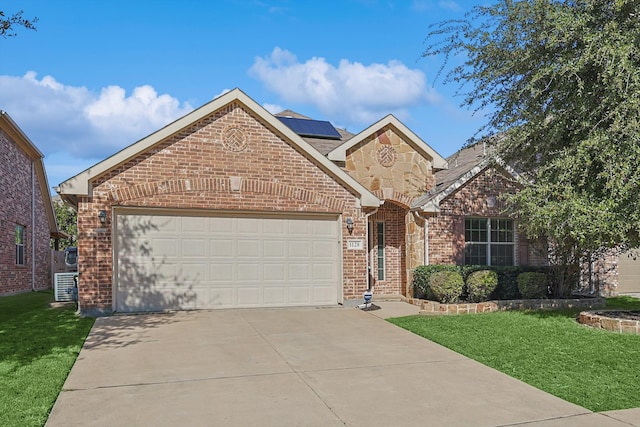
273 108
450 5
62 118
351 92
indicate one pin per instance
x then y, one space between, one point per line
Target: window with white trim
489 241
19 238
380 249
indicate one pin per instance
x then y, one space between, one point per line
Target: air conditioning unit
64 286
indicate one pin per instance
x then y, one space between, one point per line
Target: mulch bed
620 314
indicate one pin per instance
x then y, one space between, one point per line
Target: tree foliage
560 80
67 219
9 23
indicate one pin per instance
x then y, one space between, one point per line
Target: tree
8 23
67 219
561 82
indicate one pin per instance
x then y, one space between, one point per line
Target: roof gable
81 183
340 153
24 143
464 166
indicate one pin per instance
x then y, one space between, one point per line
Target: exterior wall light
350 225
102 216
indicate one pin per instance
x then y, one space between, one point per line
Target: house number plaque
355 245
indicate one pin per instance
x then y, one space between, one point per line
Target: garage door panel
249 296
248 226
274 272
248 248
221 272
190 225
299 272
299 249
274 296
299 294
173 262
166 246
323 272
221 248
274 248
194 248
248 272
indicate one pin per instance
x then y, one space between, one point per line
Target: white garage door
190 262
629 272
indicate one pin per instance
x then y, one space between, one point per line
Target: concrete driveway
292 367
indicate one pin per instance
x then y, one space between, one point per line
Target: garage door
193 262
629 272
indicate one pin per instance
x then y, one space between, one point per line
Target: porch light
350 225
102 216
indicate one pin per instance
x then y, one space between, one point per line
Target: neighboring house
231 206
27 220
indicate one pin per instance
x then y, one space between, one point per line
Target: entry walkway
294 367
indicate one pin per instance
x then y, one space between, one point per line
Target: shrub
480 284
422 275
446 286
533 285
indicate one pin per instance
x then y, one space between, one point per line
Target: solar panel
311 128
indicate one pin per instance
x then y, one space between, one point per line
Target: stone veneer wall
394 171
386 162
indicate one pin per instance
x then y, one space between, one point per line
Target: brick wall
229 160
446 229
16 209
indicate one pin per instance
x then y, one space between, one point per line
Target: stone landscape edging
434 308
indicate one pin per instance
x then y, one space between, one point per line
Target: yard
596 369
38 346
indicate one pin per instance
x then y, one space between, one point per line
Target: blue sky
97 76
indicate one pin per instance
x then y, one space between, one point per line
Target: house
27 220
231 206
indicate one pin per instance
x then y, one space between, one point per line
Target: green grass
38 346
596 369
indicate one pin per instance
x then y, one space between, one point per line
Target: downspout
33 227
369 255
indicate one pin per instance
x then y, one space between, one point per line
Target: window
489 241
20 230
380 250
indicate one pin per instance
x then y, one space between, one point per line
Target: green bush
422 275
533 285
446 286
480 285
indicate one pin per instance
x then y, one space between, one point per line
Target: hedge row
478 283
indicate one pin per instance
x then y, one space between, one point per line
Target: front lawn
38 346
596 369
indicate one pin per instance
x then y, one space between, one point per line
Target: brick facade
479 197
20 189
229 160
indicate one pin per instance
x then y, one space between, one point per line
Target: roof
340 152
23 142
323 145
464 165
81 184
